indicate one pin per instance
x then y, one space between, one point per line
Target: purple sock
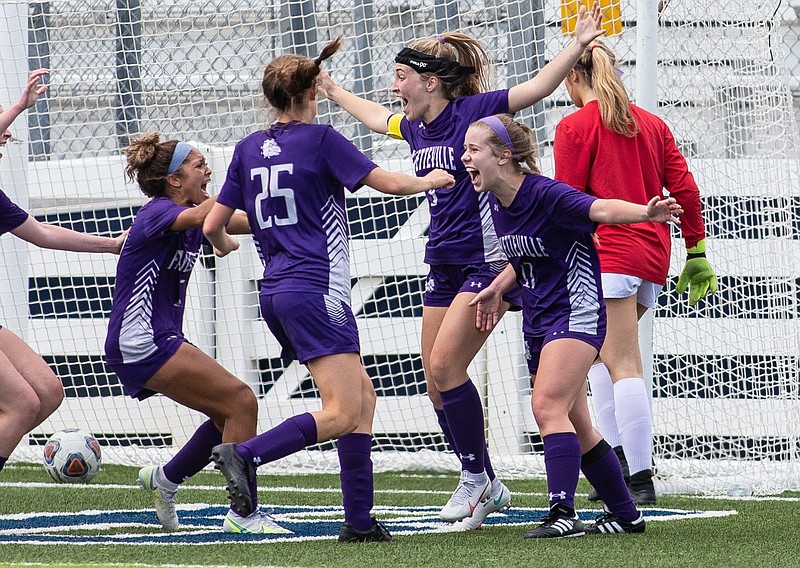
562 461
449 437
445 429
194 455
355 474
288 437
3 463
464 412
602 469
487 465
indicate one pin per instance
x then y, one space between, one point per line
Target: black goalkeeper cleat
607 523
238 473
642 489
378 533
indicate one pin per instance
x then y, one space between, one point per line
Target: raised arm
396 183
587 29
30 94
60 238
373 115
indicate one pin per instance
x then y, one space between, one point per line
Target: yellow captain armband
393 126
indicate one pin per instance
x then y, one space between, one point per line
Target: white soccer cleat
498 501
164 498
469 494
257 523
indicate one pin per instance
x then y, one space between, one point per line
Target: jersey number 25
270 190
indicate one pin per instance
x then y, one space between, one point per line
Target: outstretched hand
325 85
664 210
588 26
488 308
33 90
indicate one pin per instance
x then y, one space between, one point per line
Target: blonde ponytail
598 66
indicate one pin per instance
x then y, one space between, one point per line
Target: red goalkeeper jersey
594 159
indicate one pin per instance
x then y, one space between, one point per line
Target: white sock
477 478
603 402
162 480
635 422
495 485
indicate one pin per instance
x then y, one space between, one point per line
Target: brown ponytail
288 78
148 161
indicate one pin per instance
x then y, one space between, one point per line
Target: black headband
424 63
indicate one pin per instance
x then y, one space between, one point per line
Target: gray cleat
238 473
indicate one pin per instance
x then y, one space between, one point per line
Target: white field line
337 490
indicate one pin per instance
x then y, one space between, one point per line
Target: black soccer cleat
642 489
560 523
607 523
238 474
378 533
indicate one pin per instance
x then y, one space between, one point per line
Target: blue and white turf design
202 524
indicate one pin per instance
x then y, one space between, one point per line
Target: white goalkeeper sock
603 402
635 422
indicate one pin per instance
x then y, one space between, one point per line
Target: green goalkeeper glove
697 274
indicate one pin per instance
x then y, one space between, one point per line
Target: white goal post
726 390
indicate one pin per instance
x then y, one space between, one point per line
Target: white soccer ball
72 456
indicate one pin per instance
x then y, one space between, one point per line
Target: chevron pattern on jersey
491 244
583 290
334 222
260 252
136 332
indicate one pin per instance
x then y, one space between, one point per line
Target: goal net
726 394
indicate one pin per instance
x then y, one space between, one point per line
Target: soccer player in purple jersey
29 390
290 179
444 86
145 345
545 229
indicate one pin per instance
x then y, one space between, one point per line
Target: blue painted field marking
202 524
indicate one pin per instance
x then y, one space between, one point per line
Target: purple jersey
461 230
11 214
290 180
547 235
152 273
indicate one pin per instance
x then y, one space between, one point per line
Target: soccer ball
72 456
